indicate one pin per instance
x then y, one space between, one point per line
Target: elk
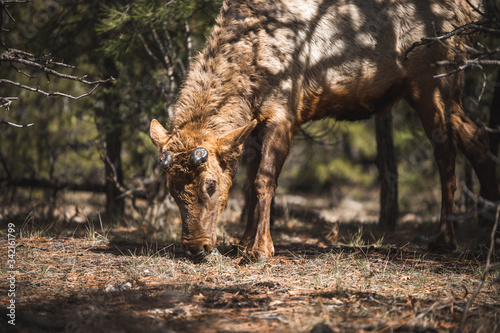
271 66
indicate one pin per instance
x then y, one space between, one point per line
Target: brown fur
270 66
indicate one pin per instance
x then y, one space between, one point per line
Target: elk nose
197 250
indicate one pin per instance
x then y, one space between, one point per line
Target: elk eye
210 186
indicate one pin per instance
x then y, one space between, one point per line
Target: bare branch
492 130
48 94
114 178
467 29
158 40
42 65
470 62
20 53
189 41
464 65
480 199
62 64
147 48
15 125
476 9
5 102
4 9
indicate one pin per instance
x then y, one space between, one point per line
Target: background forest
98 146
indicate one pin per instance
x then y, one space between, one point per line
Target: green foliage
127 24
67 140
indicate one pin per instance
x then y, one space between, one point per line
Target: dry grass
129 280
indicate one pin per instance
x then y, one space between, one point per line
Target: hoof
261 259
256 252
252 256
258 256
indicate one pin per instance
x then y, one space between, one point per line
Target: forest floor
328 274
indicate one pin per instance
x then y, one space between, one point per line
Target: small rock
119 286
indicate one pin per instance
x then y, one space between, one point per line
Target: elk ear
158 134
236 137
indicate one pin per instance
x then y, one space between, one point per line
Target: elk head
200 169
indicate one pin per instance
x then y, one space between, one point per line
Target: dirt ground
330 273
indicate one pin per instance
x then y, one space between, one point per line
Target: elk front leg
272 146
433 115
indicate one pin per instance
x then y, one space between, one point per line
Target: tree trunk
388 172
495 118
111 127
115 205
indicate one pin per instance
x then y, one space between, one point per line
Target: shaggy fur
270 66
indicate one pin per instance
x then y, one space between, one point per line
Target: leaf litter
70 284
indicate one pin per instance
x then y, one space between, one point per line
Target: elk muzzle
198 248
